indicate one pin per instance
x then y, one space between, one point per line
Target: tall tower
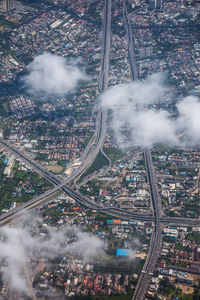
6 5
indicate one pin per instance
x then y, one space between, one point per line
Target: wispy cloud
18 245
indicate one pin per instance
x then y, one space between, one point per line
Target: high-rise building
145 52
151 4
155 4
3 5
158 4
7 5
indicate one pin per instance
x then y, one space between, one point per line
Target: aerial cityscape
100 149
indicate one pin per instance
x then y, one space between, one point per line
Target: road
106 42
94 145
159 220
88 203
90 153
92 148
156 238
131 53
166 26
96 142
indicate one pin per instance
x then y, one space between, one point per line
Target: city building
158 4
155 4
7 5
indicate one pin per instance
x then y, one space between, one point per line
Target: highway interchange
92 148
156 238
91 152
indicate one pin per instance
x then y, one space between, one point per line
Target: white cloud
189 121
149 127
133 107
130 104
136 93
51 74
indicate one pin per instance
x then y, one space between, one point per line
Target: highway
159 220
106 41
166 26
60 184
96 143
156 238
88 203
89 154
92 148
131 53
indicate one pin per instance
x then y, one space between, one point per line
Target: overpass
92 148
156 237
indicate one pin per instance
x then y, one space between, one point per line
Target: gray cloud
18 245
134 110
51 74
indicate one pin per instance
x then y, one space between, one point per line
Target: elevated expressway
95 144
89 154
159 221
156 238
61 184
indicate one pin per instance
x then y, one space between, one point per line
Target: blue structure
5 161
122 252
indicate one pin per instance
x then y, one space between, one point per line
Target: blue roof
122 252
